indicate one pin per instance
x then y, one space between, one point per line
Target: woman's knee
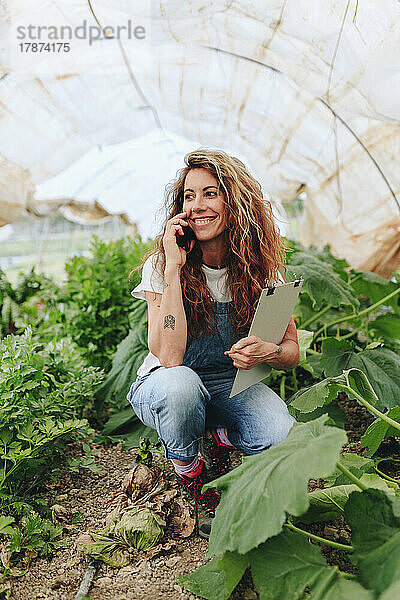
180 390
265 433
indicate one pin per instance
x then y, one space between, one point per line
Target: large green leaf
258 494
287 563
337 417
328 504
387 325
130 439
375 288
319 394
392 592
119 420
381 365
336 356
374 518
358 465
127 359
218 578
384 392
378 430
305 339
321 282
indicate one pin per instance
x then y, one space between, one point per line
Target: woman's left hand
251 351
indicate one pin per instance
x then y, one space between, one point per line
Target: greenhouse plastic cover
307 92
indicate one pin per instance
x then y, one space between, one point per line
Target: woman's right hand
174 255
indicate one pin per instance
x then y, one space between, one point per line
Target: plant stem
352 477
355 278
296 387
282 387
382 474
316 316
347 335
317 538
356 315
371 408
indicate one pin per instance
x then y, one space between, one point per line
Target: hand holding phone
178 239
184 240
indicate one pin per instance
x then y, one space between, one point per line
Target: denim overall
179 402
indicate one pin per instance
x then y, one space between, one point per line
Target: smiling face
204 202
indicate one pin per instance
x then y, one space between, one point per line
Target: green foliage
217 579
38 382
329 503
293 564
35 535
12 298
97 297
375 521
334 290
357 465
127 359
282 568
378 430
144 455
257 491
45 390
356 384
374 287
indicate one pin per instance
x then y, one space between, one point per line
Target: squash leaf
374 518
218 578
321 282
287 563
258 494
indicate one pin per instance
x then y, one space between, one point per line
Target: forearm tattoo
169 321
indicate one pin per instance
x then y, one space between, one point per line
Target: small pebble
171 562
102 581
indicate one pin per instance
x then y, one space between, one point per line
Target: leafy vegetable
374 518
141 529
258 490
292 564
334 292
328 504
378 430
97 297
217 579
127 359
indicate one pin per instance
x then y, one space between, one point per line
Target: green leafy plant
12 298
97 297
254 527
356 384
34 536
128 357
45 390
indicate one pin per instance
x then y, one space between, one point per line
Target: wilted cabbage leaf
107 549
141 529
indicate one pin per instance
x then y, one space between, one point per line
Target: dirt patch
58 577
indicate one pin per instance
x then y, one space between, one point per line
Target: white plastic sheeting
308 92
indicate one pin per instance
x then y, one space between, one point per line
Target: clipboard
274 310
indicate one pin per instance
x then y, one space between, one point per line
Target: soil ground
59 577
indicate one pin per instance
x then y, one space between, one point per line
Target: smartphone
184 240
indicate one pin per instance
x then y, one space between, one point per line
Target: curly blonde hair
254 249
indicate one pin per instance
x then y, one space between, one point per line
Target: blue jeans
180 402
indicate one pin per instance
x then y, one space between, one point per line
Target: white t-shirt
153 281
